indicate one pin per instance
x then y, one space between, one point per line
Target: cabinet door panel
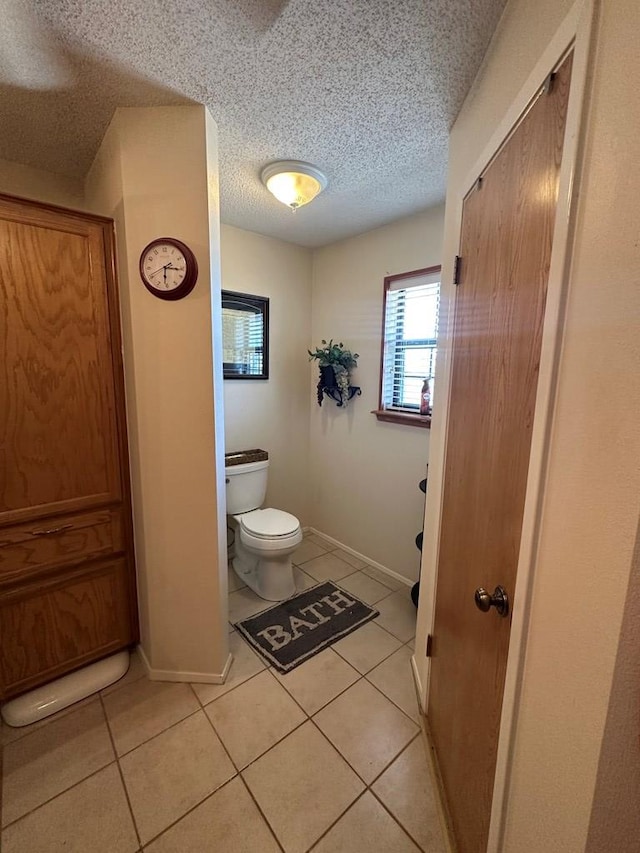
58 430
62 540
47 629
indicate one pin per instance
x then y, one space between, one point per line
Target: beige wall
365 473
27 182
174 398
592 497
273 414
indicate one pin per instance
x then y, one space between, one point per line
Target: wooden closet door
58 429
506 242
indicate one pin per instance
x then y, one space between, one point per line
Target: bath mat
294 630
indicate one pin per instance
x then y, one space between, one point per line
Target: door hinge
456 270
429 645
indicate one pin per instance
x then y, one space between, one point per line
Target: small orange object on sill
408 418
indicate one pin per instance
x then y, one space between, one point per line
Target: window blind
243 334
410 335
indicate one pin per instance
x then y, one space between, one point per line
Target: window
245 336
410 331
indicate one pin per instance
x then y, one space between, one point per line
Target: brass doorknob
485 601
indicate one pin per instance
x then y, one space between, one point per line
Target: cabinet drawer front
56 541
47 629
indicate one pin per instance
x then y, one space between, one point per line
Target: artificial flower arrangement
335 364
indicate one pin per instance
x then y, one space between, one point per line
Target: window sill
391 416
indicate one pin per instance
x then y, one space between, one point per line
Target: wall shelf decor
335 364
336 394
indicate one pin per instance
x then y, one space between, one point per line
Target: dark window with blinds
410 332
245 336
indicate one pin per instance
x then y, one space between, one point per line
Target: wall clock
168 268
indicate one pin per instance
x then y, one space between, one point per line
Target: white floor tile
92 816
366 828
167 776
319 540
245 665
367 646
394 678
319 680
328 567
365 588
245 603
354 561
366 728
398 615
302 786
407 790
145 708
254 717
388 580
306 551
53 758
228 822
302 579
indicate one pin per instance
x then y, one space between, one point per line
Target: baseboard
174 675
400 578
417 682
438 787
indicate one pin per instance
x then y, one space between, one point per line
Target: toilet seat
269 531
269 524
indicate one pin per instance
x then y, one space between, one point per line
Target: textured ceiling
367 90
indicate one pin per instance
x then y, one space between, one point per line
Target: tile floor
327 758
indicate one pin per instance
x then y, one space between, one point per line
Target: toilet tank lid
244 457
269 522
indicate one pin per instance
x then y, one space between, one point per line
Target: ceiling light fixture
293 182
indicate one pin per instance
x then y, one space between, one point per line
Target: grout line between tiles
205 705
382 660
344 758
166 729
59 794
368 787
124 785
339 818
329 701
395 819
191 809
239 770
262 814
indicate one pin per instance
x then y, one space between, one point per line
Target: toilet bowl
264 539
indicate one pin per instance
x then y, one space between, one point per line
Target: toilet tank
246 480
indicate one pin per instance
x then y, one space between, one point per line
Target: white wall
273 414
592 499
38 184
364 472
174 388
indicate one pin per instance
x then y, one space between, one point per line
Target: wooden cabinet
67 578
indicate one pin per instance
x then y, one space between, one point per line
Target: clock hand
160 269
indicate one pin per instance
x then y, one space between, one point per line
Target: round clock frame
191 269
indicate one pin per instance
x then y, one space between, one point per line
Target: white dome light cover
293 182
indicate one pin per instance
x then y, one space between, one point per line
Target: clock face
168 268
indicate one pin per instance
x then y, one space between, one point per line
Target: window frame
398 415
253 305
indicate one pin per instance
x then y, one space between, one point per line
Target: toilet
264 539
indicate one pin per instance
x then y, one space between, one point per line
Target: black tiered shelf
415 589
336 394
